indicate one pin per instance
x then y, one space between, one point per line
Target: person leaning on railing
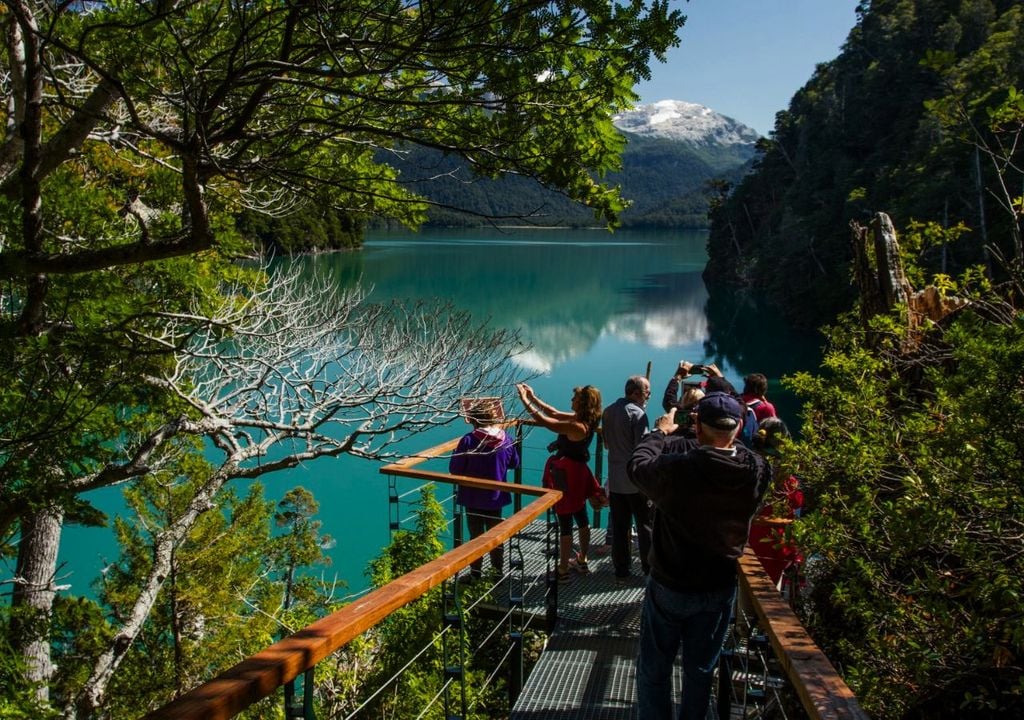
484 452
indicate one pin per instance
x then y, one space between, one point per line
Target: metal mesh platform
587 667
586 670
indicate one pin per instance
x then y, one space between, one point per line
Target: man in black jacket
705 491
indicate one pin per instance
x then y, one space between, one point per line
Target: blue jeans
698 621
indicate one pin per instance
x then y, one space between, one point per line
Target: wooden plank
428 454
823 693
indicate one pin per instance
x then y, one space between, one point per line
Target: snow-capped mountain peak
684 121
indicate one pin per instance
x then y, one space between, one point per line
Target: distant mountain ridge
687 122
673 149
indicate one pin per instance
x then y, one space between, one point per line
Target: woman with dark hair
755 385
567 468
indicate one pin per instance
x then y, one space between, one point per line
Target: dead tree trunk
883 284
877 268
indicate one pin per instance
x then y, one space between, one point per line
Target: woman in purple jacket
485 452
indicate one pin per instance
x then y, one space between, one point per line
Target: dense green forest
142 351
666 182
911 444
314 227
897 122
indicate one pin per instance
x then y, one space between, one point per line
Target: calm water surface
594 307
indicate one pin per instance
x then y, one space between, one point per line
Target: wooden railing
261 674
822 692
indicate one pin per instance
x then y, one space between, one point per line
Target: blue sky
746 58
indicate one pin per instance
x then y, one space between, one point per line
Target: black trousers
479 522
625 508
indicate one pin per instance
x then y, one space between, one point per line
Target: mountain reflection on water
594 307
563 290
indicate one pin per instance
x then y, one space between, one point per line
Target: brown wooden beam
823 693
258 676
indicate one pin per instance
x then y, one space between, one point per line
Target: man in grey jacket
623 423
705 492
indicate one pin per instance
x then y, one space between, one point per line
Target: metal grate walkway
586 669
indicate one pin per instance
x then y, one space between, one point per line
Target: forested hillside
898 122
668 184
912 442
315 227
665 180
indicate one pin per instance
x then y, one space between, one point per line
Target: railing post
517 474
292 709
453 621
551 554
394 509
457 537
516 619
725 662
598 470
515 679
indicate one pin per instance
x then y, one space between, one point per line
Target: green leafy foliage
234 588
139 135
911 445
406 632
916 483
414 641
313 228
915 118
301 545
202 621
18 700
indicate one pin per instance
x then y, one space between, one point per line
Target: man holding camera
691 377
705 491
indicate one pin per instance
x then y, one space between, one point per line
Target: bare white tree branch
299 370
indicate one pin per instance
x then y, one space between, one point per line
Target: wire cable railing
770 667
284 662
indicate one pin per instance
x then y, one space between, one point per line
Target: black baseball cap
720 410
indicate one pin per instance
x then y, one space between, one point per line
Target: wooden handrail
823 693
261 674
779 522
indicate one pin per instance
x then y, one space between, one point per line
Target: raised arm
671 398
550 417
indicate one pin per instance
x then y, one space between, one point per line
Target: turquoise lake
595 307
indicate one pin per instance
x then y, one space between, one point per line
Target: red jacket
575 481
